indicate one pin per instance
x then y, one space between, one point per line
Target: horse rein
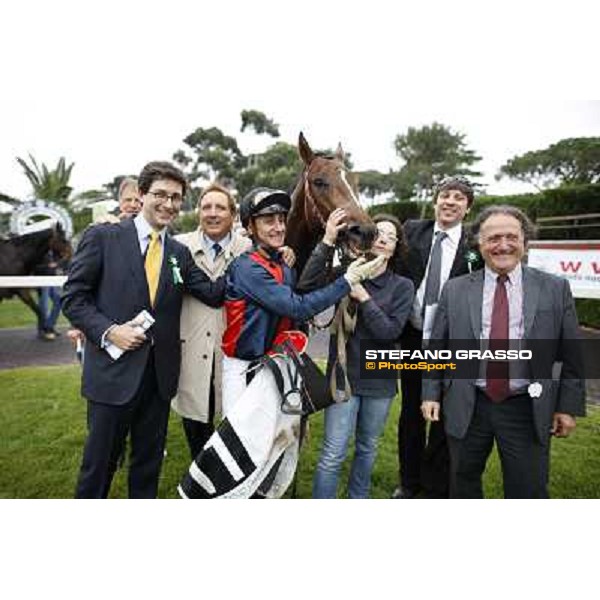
311 209
313 214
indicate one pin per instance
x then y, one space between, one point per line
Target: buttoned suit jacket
550 330
107 285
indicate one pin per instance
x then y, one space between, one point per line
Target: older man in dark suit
515 403
437 250
118 271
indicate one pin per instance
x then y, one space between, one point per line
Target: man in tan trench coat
213 246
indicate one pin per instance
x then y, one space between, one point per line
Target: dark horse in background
20 255
324 185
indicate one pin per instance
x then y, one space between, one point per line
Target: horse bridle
311 208
312 214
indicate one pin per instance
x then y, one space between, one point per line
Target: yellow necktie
152 264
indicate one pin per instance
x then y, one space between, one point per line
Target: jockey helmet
264 201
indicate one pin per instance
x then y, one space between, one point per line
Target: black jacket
419 234
381 318
106 285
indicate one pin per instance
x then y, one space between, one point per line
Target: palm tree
49 184
9 199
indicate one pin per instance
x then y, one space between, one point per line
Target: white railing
32 281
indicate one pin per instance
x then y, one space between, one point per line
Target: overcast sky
112 85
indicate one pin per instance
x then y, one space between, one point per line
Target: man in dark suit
437 251
118 271
516 403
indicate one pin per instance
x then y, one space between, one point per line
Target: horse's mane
299 236
33 238
298 181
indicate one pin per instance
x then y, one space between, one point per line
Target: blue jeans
365 417
47 295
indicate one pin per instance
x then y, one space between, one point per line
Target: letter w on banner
578 261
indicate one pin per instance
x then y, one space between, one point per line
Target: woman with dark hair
376 309
397 263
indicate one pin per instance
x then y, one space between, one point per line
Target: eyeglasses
161 195
511 238
388 237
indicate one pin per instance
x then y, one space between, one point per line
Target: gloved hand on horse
359 270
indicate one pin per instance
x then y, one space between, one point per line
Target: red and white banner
578 261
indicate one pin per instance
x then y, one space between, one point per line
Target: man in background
130 202
437 251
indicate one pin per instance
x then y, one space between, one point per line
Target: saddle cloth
255 447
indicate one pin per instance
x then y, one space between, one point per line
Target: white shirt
514 292
208 243
144 232
449 247
518 370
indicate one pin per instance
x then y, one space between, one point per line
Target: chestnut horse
324 185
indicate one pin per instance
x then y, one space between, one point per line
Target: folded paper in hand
144 321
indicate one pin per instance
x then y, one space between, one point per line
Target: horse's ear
306 154
339 153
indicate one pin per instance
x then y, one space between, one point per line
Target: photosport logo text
434 360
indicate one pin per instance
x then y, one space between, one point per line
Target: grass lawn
13 313
42 419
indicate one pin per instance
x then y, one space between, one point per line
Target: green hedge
185 222
568 200
588 312
81 220
404 209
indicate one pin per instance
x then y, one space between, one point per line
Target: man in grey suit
515 403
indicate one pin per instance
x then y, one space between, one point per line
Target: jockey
259 298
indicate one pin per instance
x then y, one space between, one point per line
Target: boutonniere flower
473 259
535 389
175 270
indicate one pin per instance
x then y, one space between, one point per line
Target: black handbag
308 381
317 391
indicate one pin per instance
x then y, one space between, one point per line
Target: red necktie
497 388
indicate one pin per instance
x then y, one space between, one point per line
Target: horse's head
328 185
59 243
